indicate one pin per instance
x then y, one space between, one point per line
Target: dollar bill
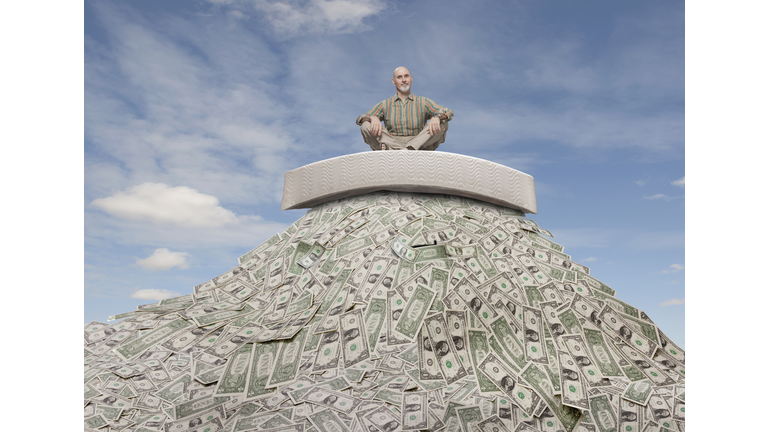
438 283
275 273
414 411
233 381
598 348
219 316
353 246
417 307
477 305
129 350
303 250
478 349
492 424
630 416
578 350
445 352
469 417
638 392
401 249
190 408
601 410
568 416
494 239
533 327
574 391
392 397
511 348
595 285
334 400
456 322
428 367
338 383
288 358
670 348
642 363
330 321
507 382
678 411
470 226
327 421
376 275
327 356
375 316
263 360
612 320
466 251
428 253
312 256
395 306
354 343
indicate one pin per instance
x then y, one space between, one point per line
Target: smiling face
402 80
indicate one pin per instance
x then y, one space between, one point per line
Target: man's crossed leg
387 141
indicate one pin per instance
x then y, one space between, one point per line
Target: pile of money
390 312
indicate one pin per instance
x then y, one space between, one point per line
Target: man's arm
434 123
440 113
375 125
373 116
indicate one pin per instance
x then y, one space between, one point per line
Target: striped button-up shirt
406 117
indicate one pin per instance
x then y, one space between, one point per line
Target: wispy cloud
679 182
164 259
635 239
189 105
657 196
154 294
293 17
662 197
674 268
672 302
590 259
640 182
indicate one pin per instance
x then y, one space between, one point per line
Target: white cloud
679 182
658 196
236 14
672 302
590 259
640 182
163 259
674 268
318 16
160 203
154 294
663 197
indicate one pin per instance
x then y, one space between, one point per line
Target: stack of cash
390 312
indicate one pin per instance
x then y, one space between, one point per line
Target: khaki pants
422 141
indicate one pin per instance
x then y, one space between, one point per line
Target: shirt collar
397 96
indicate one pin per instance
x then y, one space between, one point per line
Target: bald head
402 80
401 69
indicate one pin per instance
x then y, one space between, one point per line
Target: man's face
402 79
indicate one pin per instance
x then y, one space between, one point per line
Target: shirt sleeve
435 109
377 111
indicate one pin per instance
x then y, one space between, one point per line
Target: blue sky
195 110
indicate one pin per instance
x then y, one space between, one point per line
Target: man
412 122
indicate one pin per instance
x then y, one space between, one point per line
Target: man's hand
434 125
375 126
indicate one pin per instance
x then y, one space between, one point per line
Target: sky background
194 110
